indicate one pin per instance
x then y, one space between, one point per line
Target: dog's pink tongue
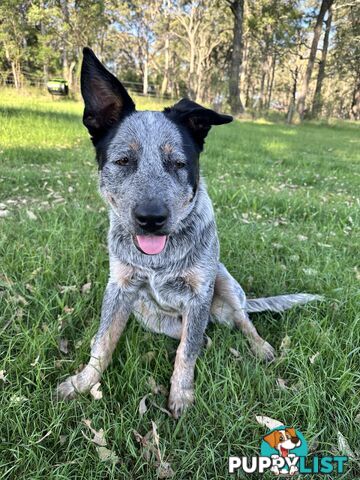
151 244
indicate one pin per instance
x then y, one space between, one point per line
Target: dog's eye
179 164
122 161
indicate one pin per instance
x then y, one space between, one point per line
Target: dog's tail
280 302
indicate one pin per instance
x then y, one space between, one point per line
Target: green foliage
286 205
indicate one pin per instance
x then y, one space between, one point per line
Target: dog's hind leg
115 312
229 306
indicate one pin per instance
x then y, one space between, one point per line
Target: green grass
288 215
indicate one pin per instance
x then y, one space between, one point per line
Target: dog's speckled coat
147 157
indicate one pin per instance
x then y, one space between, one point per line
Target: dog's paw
179 401
66 390
264 351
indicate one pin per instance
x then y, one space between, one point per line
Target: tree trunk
317 103
325 5
237 8
165 82
355 103
291 110
271 85
145 76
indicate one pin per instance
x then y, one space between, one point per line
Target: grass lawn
288 216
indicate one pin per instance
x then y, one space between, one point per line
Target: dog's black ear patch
106 100
196 118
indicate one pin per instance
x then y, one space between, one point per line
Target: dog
163 244
283 441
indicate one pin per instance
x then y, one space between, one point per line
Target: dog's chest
169 293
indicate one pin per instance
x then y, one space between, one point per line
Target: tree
237 9
317 102
325 6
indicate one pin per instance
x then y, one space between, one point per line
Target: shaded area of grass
287 211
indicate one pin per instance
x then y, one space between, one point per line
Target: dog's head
148 161
283 440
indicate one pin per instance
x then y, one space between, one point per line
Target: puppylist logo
283 451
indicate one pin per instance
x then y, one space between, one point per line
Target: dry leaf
314 357
86 288
142 406
234 352
208 342
35 362
281 383
155 388
357 418
31 215
18 399
161 409
95 391
344 447
268 422
3 376
43 438
63 439
164 470
68 309
107 455
285 345
67 288
64 345
149 356
99 438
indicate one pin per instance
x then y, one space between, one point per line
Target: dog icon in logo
283 441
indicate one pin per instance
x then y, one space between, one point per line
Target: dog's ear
291 432
106 100
272 438
197 119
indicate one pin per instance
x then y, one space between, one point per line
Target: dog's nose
151 216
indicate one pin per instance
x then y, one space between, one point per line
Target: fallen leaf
107 455
64 345
68 309
63 439
162 409
99 438
208 342
31 215
95 391
18 399
35 362
281 383
3 376
164 470
357 418
344 447
43 438
268 422
234 352
67 288
285 345
142 406
149 356
314 357
86 288
155 388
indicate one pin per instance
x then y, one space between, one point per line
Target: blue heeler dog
163 244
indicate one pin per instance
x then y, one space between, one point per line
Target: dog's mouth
284 451
150 244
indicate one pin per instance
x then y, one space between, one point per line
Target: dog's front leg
195 320
116 308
